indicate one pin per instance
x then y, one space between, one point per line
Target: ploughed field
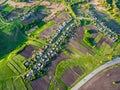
104 80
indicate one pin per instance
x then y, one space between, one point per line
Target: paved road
92 74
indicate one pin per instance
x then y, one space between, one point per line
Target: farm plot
77 42
27 52
104 80
52 68
106 40
71 75
62 17
47 32
78 70
40 84
79 34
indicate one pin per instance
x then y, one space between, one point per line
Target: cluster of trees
112 5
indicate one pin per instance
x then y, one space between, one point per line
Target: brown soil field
27 52
61 18
69 77
106 40
100 42
109 42
78 70
80 46
55 63
47 32
41 84
79 34
103 81
73 44
95 35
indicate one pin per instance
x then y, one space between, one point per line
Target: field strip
9 84
13 68
19 64
16 66
19 84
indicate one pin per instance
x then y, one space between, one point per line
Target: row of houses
102 28
50 52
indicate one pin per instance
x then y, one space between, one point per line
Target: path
95 72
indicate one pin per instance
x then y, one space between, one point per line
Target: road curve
95 72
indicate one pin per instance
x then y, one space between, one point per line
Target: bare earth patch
103 81
40 84
47 32
27 52
106 40
78 70
69 77
61 18
79 34
56 62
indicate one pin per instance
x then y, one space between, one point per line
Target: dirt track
103 81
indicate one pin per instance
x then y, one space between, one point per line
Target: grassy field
11 74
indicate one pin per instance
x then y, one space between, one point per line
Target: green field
11 74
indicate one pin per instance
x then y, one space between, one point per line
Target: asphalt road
95 72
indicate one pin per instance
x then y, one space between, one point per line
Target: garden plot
47 32
27 52
41 84
69 77
55 63
106 40
62 17
78 70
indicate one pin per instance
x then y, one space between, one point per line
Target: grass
19 84
53 86
39 43
9 84
8 8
